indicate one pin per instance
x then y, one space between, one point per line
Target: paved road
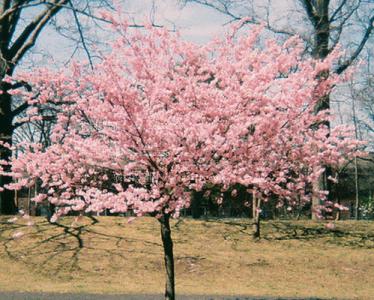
46 296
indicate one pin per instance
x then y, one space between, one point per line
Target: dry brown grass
295 259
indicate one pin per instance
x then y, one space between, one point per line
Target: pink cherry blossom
160 117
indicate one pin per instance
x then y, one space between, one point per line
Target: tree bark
256 228
315 202
357 196
7 206
339 200
256 234
168 257
318 13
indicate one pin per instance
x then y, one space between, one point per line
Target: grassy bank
300 259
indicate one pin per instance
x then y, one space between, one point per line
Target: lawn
294 259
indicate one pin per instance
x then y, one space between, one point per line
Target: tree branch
79 27
337 11
356 53
226 11
5 6
20 109
340 27
44 118
310 11
19 5
27 38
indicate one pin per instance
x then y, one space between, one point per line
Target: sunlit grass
300 259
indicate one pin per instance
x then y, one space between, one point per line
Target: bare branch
27 38
44 118
5 6
224 9
21 108
337 11
310 10
340 27
358 50
79 27
18 5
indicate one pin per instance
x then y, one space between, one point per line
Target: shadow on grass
345 234
339 236
50 244
61 246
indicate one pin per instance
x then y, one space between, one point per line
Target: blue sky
195 23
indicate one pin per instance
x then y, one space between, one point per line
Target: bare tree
322 24
363 92
362 96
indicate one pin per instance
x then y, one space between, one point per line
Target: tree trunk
339 200
318 13
321 24
316 201
357 196
256 228
168 256
7 204
256 203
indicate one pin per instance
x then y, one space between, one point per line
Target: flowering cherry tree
273 142
160 117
